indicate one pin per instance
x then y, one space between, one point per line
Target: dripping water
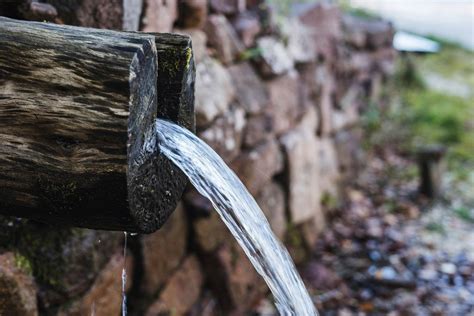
239 211
124 275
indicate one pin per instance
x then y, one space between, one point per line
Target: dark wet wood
76 106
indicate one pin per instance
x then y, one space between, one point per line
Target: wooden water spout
76 107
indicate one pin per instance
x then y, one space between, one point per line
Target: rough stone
385 60
347 113
313 77
197 206
192 13
227 7
301 148
367 32
225 134
159 15
17 288
233 279
258 129
223 39
257 166
274 59
105 295
300 46
36 11
354 35
312 228
360 63
199 40
285 101
272 202
181 291
251 93
210 232
247 26
326 106
163 251
107 14
323 21
328 167
349 152
63 260
213 92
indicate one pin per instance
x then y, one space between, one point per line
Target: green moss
293 236
250 53
23 263
438 118
329 201
436 228
465 214
189 55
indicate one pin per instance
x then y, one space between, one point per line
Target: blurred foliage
421 115
363 13
465 214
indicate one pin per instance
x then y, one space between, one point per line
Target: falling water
124 276
239 211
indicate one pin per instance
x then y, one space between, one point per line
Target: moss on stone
23 263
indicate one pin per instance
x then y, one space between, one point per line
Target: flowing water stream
216 181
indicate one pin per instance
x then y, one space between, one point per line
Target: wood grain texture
76 106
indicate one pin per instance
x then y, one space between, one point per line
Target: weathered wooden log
77 106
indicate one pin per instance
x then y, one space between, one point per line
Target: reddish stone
192 13
223 39
105 295
225 133
36 11
286 104
349 152
274 59
329 174
247 26
107 14
17 288
256 167
313 77
258 129
251 93
354 35
159 15
233 279
320 277
181 291
347 112
312 228
324 23
214 91
326 106
301 148
227 7
163 251
300 46
272 202
210 232
196 204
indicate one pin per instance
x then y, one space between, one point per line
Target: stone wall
278 98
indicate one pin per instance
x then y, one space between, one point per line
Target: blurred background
352 124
